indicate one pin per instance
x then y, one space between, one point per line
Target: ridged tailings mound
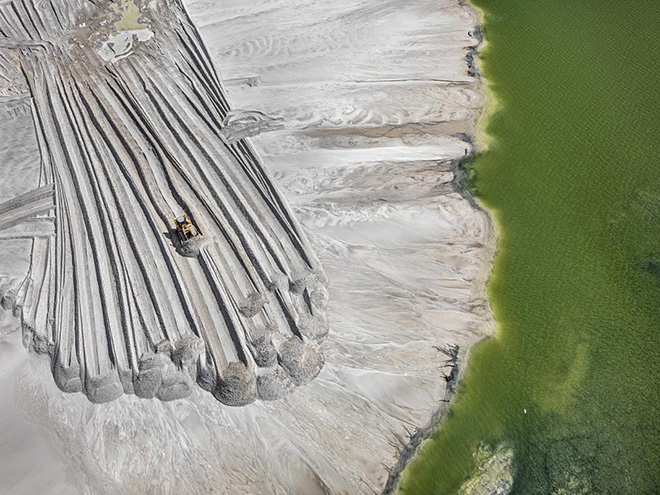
129 142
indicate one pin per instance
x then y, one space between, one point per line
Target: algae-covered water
573 177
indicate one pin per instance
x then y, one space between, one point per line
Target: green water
573 176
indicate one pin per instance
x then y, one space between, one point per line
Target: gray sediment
409 446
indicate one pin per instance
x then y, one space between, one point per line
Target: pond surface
573 177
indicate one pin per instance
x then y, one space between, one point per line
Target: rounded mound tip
313 326
274 384
264 352
175 385
149 379
237 386
104 388
302 361
67 378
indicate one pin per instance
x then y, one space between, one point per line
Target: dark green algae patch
572 175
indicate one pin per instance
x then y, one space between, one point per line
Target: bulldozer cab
185 228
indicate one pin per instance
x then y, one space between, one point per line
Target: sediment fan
130 141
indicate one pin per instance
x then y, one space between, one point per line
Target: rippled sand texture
361 111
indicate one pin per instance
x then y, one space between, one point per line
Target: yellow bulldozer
185 229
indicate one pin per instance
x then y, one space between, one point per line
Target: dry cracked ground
317 147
